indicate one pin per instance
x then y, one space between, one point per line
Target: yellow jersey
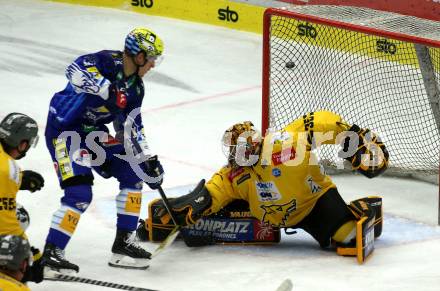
285 184
10 284
10 181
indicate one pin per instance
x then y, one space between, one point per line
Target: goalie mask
242 144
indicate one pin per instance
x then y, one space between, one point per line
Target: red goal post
377 69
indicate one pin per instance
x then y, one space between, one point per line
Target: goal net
376 69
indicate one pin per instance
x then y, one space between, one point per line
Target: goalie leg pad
363 246
364 243
358 208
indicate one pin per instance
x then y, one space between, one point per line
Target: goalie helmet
17 127
22 217
143 40
242 144
13 251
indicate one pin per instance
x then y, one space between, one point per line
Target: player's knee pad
78 197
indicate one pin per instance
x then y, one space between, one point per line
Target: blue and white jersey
83 101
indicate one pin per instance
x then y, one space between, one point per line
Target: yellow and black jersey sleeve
222 190
323 126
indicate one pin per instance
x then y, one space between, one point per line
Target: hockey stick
175 232
169 240
68 278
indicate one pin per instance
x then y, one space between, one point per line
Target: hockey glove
117 98
189 208
154 169
31 181
371 156
35 272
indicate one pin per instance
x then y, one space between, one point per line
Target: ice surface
210 79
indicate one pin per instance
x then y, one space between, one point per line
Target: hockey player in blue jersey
102 88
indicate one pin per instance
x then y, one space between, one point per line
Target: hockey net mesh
370 80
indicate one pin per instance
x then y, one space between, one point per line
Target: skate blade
52 273
126 262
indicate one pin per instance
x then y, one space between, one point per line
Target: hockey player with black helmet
15 258
280 178
18 133
103 88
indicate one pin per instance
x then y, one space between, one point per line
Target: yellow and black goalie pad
364 243
368 212
232 225
361 207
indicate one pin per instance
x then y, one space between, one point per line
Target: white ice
210 79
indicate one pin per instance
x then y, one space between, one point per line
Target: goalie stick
69 278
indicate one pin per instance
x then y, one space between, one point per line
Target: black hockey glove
35 273
117 98
31 181
371 156
154 169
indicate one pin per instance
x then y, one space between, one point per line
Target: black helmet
16 127
13 251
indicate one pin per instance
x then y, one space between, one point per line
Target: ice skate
55 262
127 254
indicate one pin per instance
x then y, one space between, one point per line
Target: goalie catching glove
189 208
371 156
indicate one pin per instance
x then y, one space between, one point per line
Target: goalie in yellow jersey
285 187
